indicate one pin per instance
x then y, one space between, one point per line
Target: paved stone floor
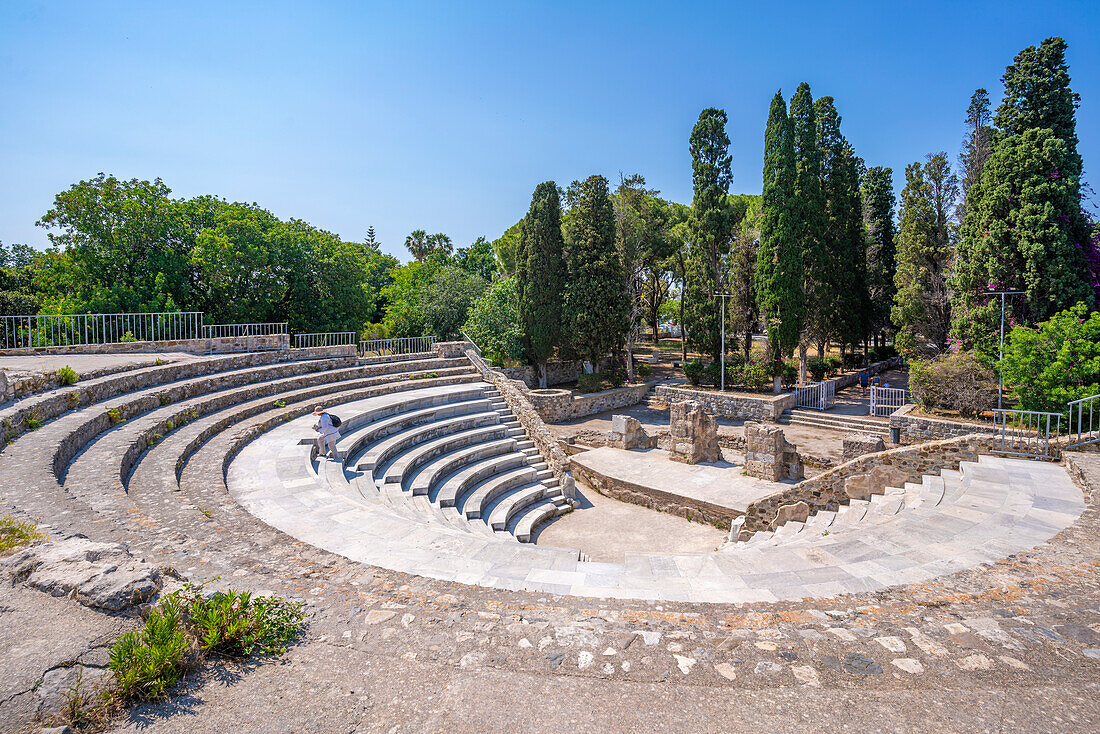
89 362
607 530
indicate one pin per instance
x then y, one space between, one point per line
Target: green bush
1055 362
833 364
235 624
589 383
643 370
883 353
853 360
757 377
959 382
817 369
616 376
279 403
694 370
14 533
790 373
150 660
67 375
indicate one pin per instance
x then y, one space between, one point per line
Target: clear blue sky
444 116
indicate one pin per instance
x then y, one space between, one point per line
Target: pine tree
779 260
596 303
922 309
1024 228
539 276
372 241
878 215
818 264
711 230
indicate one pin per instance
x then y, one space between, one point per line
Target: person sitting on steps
328 433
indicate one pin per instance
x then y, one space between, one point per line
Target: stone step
486 493
410 457
515 502
434 472
393 447
410 414
449 493
531 517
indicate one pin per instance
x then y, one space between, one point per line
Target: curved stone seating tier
983 512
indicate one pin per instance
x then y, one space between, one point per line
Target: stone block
694 434
862 486
795 512
860 444
769 456
627 433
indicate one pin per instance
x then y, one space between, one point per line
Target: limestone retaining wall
906 428
220 345
556 406
746 406
826 490
655 499
556 373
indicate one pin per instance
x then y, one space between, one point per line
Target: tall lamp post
1001 349
724 296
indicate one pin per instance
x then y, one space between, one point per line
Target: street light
1001 350
724 296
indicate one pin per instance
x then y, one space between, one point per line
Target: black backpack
335 420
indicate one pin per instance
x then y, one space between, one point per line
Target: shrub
853 360
712 373
757 377
114 415
694 370
164 398
32 421
959 382
883 353
589 383
790 372
833 364
817 369
150 660
1056 362
67 375
616 376
279 403
643 370
235 624
14 533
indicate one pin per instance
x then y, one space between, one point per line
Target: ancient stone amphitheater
430 608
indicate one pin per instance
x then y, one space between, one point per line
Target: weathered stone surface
727 404
797 512
861 443
768 455
693 434
627 433
911 429
556 405
862 486
99 575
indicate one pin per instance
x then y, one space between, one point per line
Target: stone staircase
834 421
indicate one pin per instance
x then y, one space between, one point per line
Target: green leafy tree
779 259
741 269
711 230
878 215
596 304
18 295
1056 361
978 145
371 242
504 249
423 245
478 259
494 323
427 298
926 240
540 273
819 263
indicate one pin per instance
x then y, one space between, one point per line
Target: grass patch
424 376
178 635
32 421
280 403
14 533
67 375
164 398
115 416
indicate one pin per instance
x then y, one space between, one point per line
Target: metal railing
1084 421
885 400
1028 433
394 347
60 330
230 331
325 339
472 343
816 395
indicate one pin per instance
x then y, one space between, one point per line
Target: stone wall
557 406
693 433
906 428
556 373
826 491
655 499
627 433
745 406
859 444
549 449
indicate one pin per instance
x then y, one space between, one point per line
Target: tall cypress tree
846 302
922 310
878 216
1024 228
978 145
596 303
818 266
779 260
540 271
711 230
